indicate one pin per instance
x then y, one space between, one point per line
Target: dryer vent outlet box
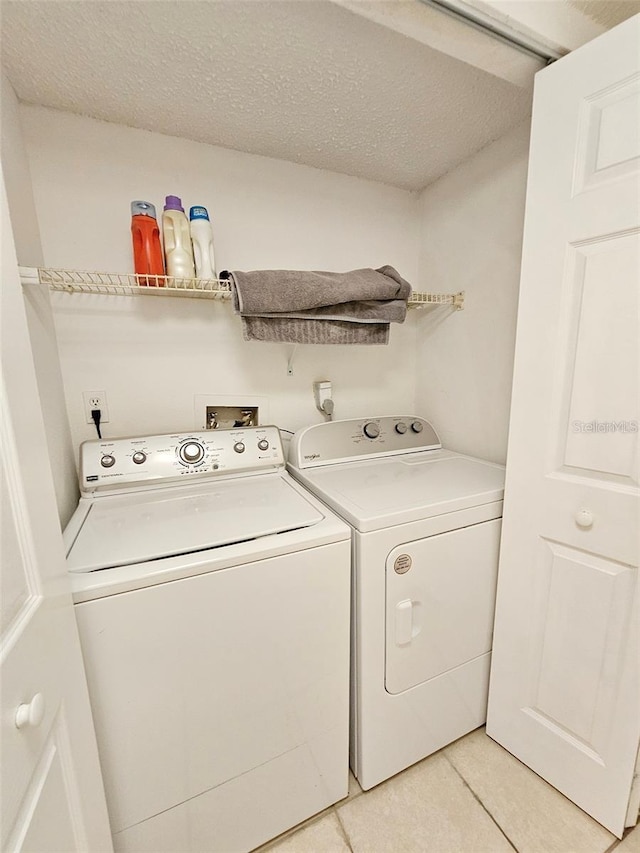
229 411
228 417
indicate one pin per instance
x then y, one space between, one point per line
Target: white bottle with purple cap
202 240
177 240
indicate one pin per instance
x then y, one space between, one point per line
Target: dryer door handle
404 622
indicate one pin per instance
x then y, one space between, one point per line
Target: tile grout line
293 830
616 843
479 801
343 828
350 798
299 827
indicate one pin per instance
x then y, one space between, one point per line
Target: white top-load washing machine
212 598
426 531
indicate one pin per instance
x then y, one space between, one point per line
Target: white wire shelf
128 284
125 284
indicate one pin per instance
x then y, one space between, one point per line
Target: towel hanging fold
318 307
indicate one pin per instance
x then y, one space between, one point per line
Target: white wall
153 355
471 240
24 222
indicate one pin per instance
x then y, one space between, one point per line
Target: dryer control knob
401 428
263 444
108 461
416 426
238 447
139 457
371 430
191 452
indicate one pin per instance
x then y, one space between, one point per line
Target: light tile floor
471 797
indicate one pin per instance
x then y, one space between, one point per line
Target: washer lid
400 489
121 530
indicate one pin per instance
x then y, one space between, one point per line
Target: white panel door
52 794
564 694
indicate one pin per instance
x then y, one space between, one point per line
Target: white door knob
31 714
584 518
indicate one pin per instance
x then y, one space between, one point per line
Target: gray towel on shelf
294 330
311 307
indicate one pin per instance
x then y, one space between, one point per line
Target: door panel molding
604 153
21 589
598 593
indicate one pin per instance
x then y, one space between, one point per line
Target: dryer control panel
123 463
362 438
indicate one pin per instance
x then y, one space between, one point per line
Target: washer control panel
122 463
346 441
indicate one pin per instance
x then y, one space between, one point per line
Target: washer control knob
108 461
401 428
371 430
263 444
191 452
238 447
416 426
139 457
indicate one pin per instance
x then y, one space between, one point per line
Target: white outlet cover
88 406
201 401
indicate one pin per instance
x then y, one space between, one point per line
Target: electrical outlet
95 400
322 391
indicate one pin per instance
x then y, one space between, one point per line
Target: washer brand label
402 564
312 456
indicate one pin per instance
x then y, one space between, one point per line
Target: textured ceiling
310 82
607 12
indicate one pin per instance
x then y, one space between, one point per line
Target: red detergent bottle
148 259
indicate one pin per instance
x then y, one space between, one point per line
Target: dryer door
440 603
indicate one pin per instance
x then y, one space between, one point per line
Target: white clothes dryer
426 531
212 598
